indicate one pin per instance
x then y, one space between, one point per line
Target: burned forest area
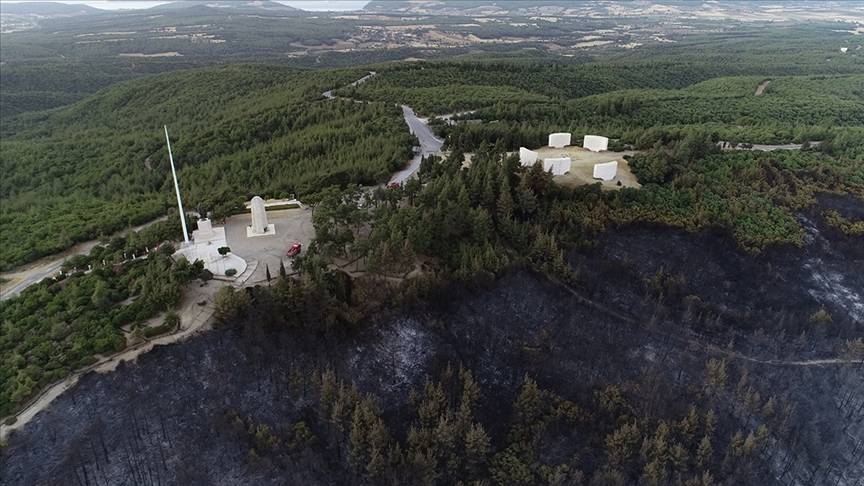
676 358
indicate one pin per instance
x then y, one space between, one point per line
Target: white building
606 171
527 157
205 244
595 143
559 140
558 166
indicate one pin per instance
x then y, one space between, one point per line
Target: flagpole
177 188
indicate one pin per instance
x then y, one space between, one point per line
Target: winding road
33 273
429 144
419 127
195 317
760 90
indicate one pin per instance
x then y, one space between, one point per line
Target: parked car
294 250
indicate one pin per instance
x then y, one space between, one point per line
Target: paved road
32 273
759 147
429 144
329 94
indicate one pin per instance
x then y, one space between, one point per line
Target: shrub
172 320
224 250
156 330
822 316
230 272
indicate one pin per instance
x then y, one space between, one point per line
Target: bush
156 330
822 316
172 320
224 250
230 272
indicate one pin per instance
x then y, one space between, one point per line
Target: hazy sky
131 4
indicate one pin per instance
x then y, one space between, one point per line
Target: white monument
527 157
559 140
206 241
259 226
205 227
207 233
606 171
595 143
558 166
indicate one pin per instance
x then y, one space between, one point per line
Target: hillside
688 313
668 355
672 9
46 9
238 131
51 61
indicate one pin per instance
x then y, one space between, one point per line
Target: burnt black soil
709 285
162 420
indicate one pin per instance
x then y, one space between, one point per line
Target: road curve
419 127
27 275
429 144
32 273
199 317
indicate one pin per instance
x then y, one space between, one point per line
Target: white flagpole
177 188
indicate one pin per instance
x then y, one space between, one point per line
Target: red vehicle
294 250
394 185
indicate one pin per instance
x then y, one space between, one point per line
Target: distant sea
312 5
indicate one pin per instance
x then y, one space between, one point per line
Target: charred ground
659 314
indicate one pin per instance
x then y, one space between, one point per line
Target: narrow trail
194 318
197 317
431 144
691 341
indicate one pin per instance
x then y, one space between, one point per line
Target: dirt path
811 362
761 88
709 348
193 319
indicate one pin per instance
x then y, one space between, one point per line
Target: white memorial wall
606 171
558 166
527 157
559 140
595 143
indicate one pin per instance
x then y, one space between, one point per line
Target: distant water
107 5
316 5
